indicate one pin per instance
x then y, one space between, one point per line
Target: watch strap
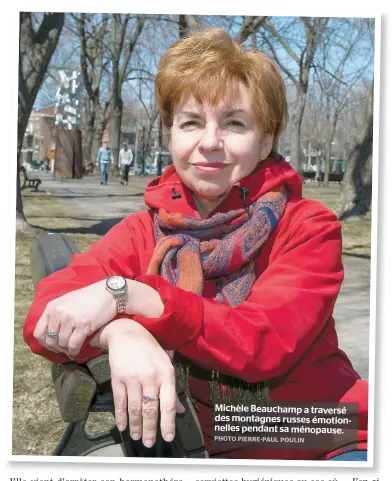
121 304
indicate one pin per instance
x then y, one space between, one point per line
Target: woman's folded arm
286 310
115 254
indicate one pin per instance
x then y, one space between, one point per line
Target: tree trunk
331 135
21 223
327 162
89 126
99 129
188 24
91 65
295 135
314 27
115 127
35 51
318 167
356 194
143 150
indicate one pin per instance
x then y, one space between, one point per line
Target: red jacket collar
169 192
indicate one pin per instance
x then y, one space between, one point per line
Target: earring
262 158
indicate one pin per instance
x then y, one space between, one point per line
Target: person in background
104 158
125 159
46 164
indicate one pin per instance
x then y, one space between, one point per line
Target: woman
230 267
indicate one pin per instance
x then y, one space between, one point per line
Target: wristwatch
117 286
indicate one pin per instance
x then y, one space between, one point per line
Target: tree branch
131 46
277 60
282 41
250 25
84 56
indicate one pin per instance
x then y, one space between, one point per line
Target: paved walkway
109 204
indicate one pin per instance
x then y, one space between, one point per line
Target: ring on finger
147 399
52 334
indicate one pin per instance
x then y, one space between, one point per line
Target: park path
109 204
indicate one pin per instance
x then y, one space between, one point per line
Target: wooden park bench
333 177
85 389
308 174
27 181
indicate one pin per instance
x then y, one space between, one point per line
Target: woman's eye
189 123
235 123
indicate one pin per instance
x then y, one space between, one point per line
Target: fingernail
148 443
135 435
169 437
121 427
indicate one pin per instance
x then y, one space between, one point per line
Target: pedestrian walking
46 164
125 159
104 158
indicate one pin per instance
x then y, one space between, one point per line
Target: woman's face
213 147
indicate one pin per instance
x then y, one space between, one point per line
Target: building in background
40 137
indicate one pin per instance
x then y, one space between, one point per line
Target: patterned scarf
222 247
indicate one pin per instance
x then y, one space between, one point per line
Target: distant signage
68 101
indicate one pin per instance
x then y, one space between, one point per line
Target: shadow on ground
100 228
94 196
346 252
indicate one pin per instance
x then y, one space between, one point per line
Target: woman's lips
210 167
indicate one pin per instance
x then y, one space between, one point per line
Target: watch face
116 282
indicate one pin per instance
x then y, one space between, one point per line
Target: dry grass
356 233
37 425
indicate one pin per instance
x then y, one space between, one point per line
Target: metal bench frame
27 181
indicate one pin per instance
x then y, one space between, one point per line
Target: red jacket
283 332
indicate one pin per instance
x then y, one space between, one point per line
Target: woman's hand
140 367
74 317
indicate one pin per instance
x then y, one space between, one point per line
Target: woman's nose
211 138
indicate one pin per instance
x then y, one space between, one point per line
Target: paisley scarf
223 247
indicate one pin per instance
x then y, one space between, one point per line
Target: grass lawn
37 425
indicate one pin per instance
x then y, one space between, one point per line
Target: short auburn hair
208 65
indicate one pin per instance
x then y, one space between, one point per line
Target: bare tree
36 48
303 56
157 35
121 49
92 65
65 57
337 78
356 194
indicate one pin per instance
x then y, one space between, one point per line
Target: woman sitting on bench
230 267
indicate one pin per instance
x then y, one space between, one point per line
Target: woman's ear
266 145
